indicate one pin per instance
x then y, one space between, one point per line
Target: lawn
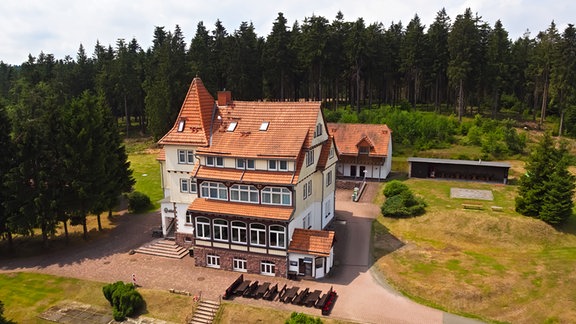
496 265
241 313
146 169
26 295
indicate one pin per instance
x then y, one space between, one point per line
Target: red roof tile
220 207
247 176
325 153
313 242
348 136
161 155
196 113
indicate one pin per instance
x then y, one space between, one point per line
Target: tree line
453 65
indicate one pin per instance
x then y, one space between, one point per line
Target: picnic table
289 294
242 287
262 290
301 297
271 293
251 291
312 298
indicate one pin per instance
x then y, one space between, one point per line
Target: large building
249 186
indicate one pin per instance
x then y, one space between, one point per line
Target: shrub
124 298
138 202
404 204
394 188
301 318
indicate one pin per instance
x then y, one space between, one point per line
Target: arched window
257 234
214 190
239 232
202 228
277 236
220 230
276 196
244 193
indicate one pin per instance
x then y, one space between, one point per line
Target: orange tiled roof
220 207
161 155
196 112
291 128
347 136
325 153
311 242
247 176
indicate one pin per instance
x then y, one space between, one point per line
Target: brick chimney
224 98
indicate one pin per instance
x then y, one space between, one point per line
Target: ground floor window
239 264
267 268
213 261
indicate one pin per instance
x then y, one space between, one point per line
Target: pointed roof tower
192 127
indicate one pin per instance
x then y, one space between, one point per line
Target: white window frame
260 234
214 190
237 231
277 236
220 230
277 165
250 193
305 191
267 268
310 157
309 188
329 178
203 228
318 131
213 261
306 221
270 194
364 150
188 185
327 208
332 151
245 164
185 157
239 264
215 161
181 125
188 218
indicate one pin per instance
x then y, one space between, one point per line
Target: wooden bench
497 208
472 206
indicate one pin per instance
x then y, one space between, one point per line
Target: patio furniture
271 293
290 294
251 291
231 290
239 291
301 297
262 290
312 298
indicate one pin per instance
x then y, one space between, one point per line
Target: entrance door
362 170
301 267
353 171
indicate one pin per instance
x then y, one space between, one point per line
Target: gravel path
363 296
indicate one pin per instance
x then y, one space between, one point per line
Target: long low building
458 169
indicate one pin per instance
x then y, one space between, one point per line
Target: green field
496 265
146 169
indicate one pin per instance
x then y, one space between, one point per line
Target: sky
58 27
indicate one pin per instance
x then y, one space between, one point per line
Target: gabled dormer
365 146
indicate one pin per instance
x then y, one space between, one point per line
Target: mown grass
241 313
27 295
142 154
499 266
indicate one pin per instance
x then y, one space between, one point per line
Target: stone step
207 308
207 314
203 317
210 302
165 248
200 321
161 254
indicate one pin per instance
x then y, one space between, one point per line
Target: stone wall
252 259
184 239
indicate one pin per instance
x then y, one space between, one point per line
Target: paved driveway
362 296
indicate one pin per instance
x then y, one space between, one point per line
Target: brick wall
184 239
252 260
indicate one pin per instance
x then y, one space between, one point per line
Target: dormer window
181 125
318 131
264 126
214 161
364 150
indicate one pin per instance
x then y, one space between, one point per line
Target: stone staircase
163 248
205 312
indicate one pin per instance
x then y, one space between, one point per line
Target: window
188 218
257 234
329 178
309 188
202 228
306 221
264 126
277 165
232 126
220 230
277 236
310 157
332 151
213 261
239 264
319 262
244 164
244 193
239 232
187 185
185 157
214 190
318 131
364 150
276 196
181 124
215 161
267 268
305 191
327 208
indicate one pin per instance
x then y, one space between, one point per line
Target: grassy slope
26 295
146 169
496 265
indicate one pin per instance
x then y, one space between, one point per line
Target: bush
404 204
394 188
124 298
3 320
138 202
301 318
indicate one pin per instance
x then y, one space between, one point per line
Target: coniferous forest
59 117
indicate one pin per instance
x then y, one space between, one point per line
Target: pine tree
6 163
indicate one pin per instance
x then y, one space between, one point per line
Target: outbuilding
458 169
